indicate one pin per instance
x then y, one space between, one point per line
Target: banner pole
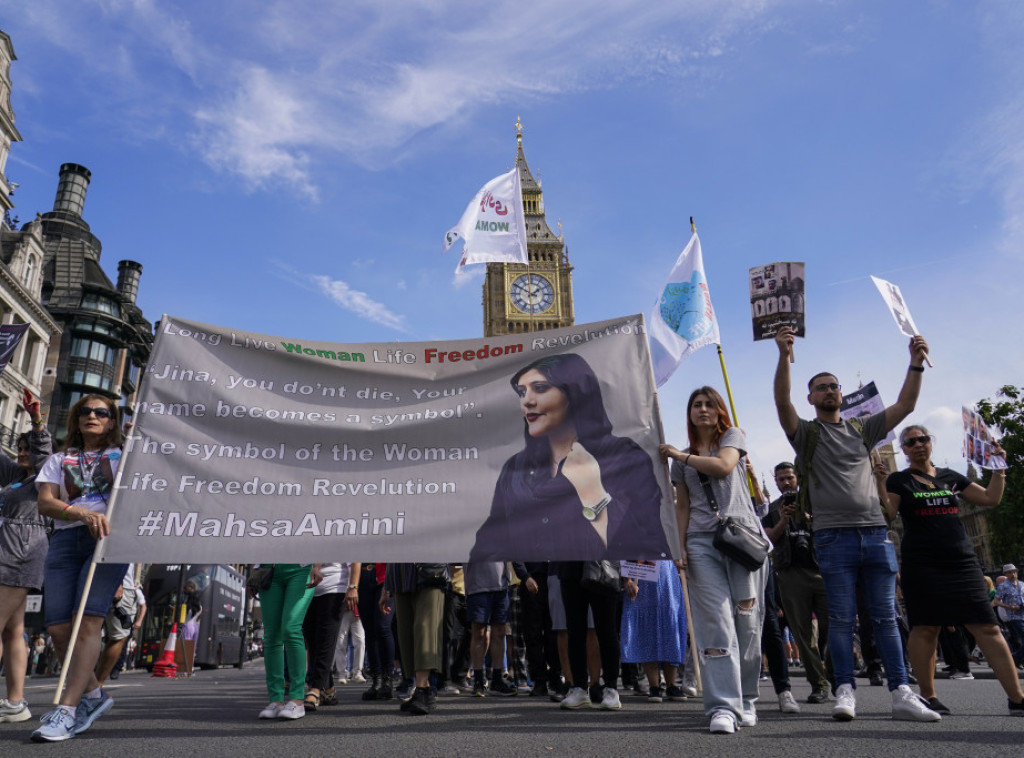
732 407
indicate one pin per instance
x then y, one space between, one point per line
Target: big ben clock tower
528 298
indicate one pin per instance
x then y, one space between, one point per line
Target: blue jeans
864 555
718 585
1016 629
66 568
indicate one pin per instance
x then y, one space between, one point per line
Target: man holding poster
850 533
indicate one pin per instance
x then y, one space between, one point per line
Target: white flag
683 320
897 305
492 227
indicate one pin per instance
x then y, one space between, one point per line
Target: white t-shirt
85 479
336 578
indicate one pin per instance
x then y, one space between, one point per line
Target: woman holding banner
23 546
941 577
74 486
725 597
575 491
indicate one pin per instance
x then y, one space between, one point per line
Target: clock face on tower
532 293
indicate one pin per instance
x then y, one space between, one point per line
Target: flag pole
725 377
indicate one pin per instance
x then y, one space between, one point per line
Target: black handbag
601 577
432 575
260 578
747 546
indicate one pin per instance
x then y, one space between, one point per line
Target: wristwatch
352 587
591 512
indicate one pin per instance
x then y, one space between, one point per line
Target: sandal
329 697
311 701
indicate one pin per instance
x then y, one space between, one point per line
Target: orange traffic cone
166 665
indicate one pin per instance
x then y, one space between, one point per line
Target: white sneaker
690 688
610 700
908 706
963 675
12 712
845 708
723 722
749 718
271 711
358 677
291 711
577 698
787 703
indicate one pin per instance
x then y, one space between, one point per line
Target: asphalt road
214 713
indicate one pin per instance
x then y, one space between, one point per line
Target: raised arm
890 500
788 417
907 400
989 496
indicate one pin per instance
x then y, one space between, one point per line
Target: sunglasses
823 387
85 412
911 441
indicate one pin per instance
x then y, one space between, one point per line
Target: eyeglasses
911 441
85 412
822 387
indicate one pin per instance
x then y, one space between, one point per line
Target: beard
829 405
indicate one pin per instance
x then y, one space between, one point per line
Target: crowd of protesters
572 631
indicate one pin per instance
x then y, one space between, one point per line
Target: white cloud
269 88
358 302
343 295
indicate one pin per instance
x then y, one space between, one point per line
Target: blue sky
291 167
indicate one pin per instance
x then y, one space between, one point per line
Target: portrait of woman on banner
575 491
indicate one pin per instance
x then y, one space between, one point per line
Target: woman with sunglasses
942 579
23 546
74 486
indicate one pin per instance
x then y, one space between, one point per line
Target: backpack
805 471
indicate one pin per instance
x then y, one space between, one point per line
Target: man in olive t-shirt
850 534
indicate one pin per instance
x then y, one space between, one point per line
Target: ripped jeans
728 636
860 555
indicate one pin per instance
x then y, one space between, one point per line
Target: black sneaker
422 701
557 693
1016 709
934 704
875 678
540 689
818 696
502 688
675 693
655 695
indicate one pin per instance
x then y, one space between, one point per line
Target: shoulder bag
747 546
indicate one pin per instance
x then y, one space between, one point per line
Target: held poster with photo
978 442
250 448
897 306
862 402
777 299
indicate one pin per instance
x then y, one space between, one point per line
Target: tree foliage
1007 521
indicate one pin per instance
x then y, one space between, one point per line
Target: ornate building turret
106 340
520 298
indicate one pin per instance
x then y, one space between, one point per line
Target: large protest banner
250 448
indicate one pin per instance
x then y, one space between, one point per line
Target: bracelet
687 461
353 587
64 513
916 368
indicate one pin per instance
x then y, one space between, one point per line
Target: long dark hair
723 416
573 375
112 438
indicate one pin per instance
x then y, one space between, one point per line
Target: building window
95 302
91 378
97 351
30 270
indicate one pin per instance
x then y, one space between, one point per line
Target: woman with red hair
725 597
